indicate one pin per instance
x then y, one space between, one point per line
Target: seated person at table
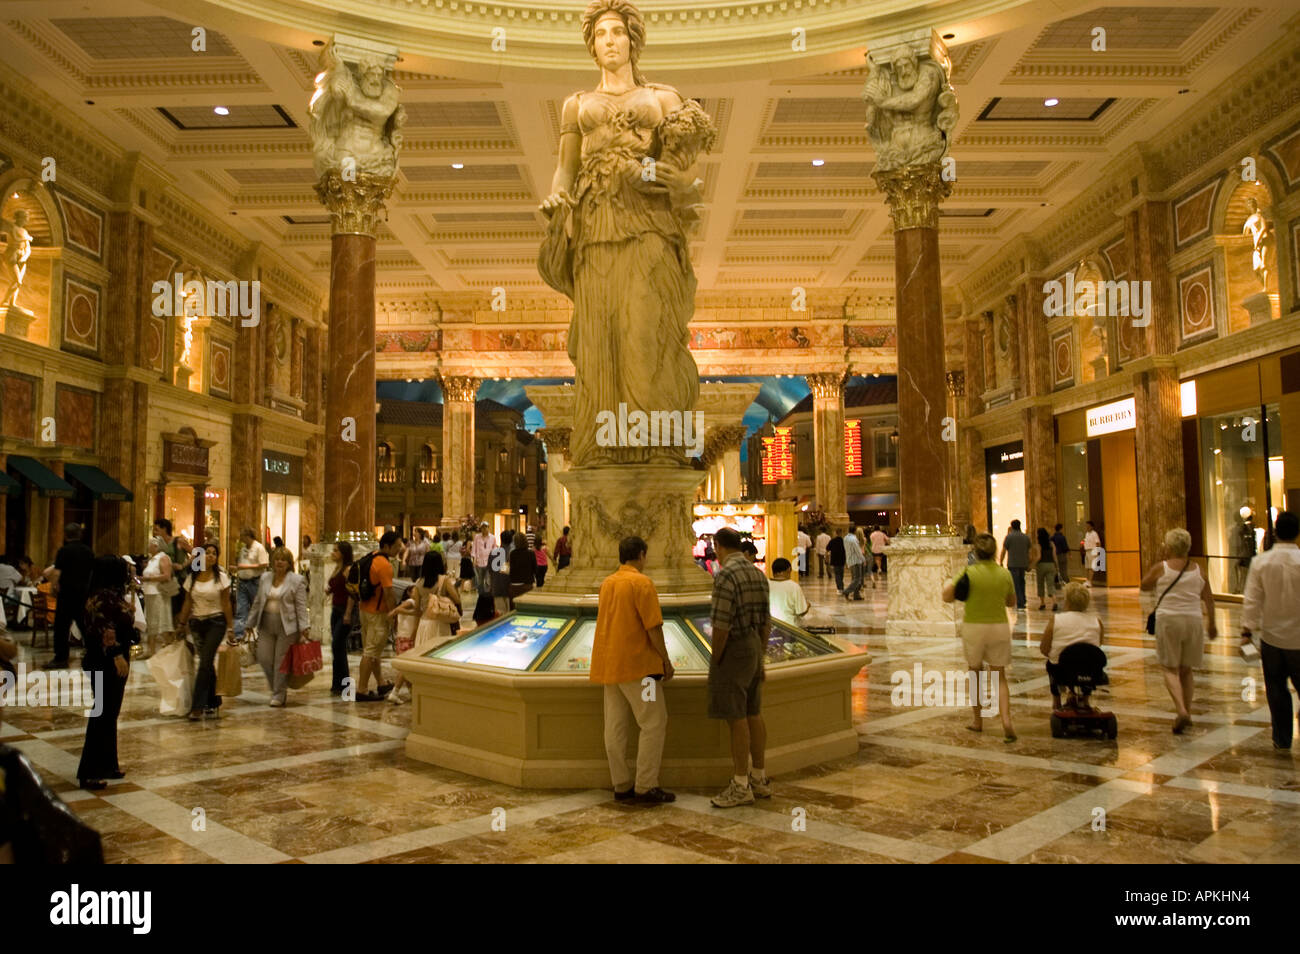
10 575
1078 624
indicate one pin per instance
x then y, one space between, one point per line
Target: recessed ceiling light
819 162
458 165
221 110
1051 101
15 195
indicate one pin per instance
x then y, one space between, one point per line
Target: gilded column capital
355 206
721 439
956 383
556 439
913 194
826 384
460 389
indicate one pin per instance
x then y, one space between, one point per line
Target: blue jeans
245 595
1018 577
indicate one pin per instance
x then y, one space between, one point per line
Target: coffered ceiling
774 219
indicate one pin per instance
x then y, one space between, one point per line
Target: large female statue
620 207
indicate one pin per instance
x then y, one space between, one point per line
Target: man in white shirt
253 562
1091 551
785 599
823 564
480 551
880 540
9 578
805 544
1271 611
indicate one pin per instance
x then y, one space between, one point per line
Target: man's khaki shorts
374 634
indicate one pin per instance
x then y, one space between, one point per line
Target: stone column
557 462
355 136
829 485
457 449
911 111
959 500
722 457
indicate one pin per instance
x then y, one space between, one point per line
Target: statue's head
905 68
615 33
20 218
1252 205
371 75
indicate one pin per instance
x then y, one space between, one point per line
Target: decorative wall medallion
155 334
1196 303
83 225
1192 213
219 379
1063 359
80 317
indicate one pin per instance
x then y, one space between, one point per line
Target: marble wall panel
18 406
1196 302
83 225
74 416
81 316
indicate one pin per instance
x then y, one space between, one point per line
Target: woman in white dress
156 578
429 633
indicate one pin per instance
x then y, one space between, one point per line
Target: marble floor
327 781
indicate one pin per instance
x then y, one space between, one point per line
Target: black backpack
365 589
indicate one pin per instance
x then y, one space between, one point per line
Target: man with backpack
376 599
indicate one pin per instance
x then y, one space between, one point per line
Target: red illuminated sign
778 456
852 448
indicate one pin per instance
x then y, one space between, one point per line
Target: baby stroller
1081 669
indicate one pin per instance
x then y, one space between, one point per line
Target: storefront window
281 519
178 507
1241 478
1074 497
1005 466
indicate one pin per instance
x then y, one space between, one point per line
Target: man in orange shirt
629 658
374 618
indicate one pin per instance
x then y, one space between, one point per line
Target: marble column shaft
350 392
1147 229
830 487
922 453
1161 492
457 449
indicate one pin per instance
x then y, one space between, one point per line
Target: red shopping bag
302 659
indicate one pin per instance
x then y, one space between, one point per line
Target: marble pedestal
652 501
16 320
1260 308
919 566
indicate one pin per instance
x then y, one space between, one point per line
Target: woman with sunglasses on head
208 610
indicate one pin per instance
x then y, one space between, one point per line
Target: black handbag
1151 617
961 589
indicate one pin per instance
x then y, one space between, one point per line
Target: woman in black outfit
341 614
523 568
109 633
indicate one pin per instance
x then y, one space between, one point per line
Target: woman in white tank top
1182 592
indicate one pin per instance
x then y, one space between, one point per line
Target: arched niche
39 294
1246 212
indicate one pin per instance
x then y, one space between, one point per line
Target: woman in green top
985 632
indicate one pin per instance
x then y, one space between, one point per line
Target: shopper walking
543 560
835 552
109 635
740 622
251 563
420 545
1062 547
563 550
451 551
343 609
1015 554
481 553
880 540
1091 546
985 629
374 615
823 566
74 562
523 567
630 661
211 617
433 582
805 544
856 561
1045 570
1180 632
159 585
279 614
1271 613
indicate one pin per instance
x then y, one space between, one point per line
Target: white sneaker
395 697
734 794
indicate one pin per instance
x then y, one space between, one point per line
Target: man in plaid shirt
740 624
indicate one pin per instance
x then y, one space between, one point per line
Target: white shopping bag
172 667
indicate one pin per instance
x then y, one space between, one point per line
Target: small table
24 595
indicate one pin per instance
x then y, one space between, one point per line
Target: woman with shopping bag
208 610
435 602
160 585
279 614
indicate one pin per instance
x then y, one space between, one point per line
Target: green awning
47 481
8 485
101 486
